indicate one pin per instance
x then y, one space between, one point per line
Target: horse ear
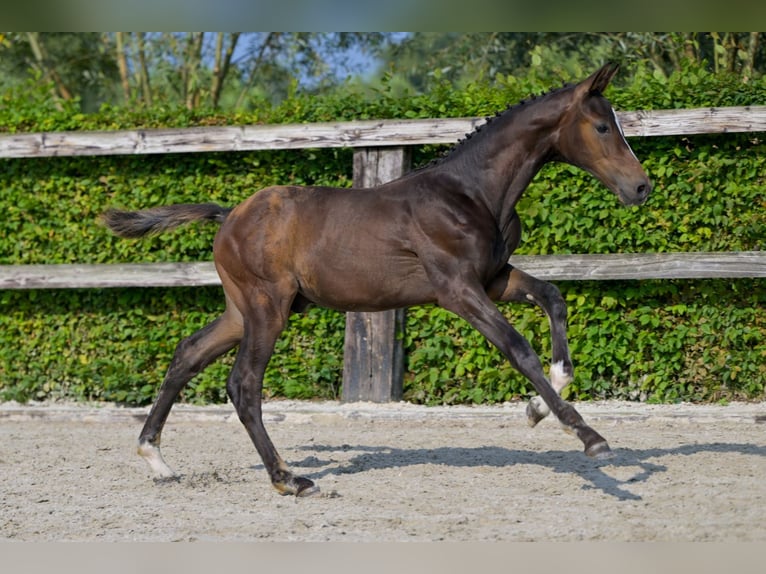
599 80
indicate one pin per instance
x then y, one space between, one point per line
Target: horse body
442 234
380 250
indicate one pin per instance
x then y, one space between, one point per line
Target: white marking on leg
559 378
152 455
538 404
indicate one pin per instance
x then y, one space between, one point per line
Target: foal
441 234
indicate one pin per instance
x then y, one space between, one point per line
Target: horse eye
602 128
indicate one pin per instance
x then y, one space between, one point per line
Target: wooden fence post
373 355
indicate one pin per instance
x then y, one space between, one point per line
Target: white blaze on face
622 133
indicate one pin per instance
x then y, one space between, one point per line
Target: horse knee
554 303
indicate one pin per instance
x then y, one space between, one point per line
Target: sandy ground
394 472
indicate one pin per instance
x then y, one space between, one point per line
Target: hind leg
515 285
192 355
263 324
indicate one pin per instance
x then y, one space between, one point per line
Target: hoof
534 412
297 486
599 451
308 491
151 454
304 486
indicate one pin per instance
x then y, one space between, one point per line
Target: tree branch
41 58
122 65
222 65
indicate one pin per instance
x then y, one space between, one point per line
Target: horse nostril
642 190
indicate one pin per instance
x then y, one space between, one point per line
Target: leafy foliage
641 340
420 59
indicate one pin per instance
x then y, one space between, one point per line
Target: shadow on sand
591 471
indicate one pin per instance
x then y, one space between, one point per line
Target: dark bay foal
441 234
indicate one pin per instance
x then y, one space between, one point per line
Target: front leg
512 284
537 410
473 305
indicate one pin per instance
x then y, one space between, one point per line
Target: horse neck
498 163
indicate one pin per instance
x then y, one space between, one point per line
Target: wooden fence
373 356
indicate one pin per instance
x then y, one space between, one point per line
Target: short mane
489 122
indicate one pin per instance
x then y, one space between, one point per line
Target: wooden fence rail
373 366
356 134
589 267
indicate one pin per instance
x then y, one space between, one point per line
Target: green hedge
639 340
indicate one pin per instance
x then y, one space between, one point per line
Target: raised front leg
512 284
477 308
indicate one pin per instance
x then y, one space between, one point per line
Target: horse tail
158 219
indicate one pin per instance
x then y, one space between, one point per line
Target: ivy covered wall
641 340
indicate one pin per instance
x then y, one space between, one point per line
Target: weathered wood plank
355 134
373 133
373 356
694 121
745 264
75 276
628 266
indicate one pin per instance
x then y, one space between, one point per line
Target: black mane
490 121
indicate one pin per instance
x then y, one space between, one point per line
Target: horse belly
367 285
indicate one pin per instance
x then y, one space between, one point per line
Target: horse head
590 137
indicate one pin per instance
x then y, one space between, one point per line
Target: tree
733 52
420 57
225 70
222 64
77 64
191 69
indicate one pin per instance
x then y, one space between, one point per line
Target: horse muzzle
636 194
